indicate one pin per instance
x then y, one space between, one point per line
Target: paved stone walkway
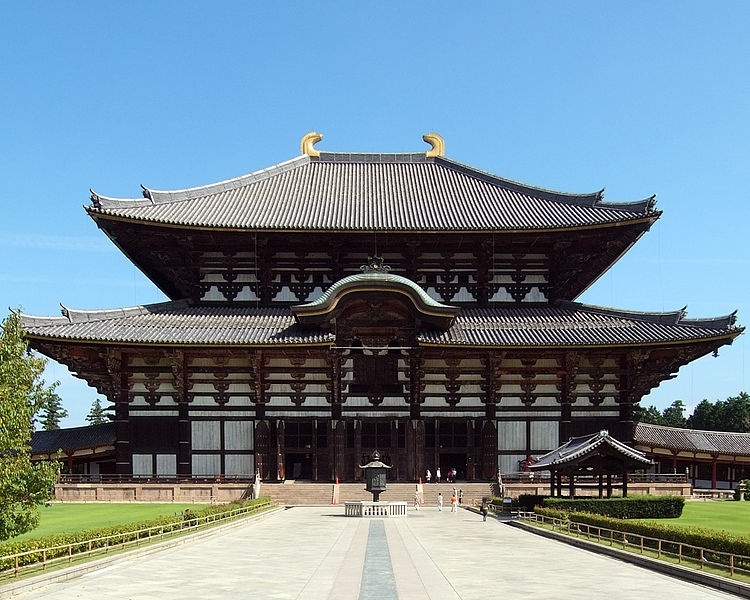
317 553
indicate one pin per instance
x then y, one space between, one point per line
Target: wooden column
121 398
184 466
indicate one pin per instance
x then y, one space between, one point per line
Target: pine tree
52 412
23 485
98 414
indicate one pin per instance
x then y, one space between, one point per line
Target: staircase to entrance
320 494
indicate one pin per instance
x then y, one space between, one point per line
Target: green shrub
527 502
84 540
631 507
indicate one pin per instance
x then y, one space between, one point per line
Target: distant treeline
732 414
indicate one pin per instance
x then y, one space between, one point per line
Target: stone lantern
375 476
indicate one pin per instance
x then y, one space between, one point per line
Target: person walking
454 504
440 502
428 476
483 510
417 500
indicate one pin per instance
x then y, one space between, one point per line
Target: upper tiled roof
74 438
692 440
371 192
565 324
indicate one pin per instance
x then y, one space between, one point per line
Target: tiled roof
565 324
75 438
371 192
574 324
577 448
692 440
177 323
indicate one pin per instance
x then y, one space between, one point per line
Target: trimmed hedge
631 507
81 540
710 539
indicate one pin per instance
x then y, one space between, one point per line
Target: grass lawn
729 515
61 518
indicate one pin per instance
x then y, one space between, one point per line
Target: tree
98 414
23 485
705 416
648 415
674 415
52 412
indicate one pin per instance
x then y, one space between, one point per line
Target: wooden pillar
552 475
714 462
280 466
123 455
572 485
601 485
609 485
184 437
624 484
357 450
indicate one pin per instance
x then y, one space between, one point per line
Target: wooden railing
696 557
40 559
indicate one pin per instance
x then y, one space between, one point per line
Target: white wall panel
239 465
143 465
206 465
509 463
511 435
544 435
205 435
166 464
238 435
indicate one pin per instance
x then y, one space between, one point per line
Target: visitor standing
440 502
437 475
454 504
460 497
417 500
428 476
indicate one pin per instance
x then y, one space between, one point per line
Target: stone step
320 494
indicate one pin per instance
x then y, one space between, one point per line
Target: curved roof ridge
586 198
670 317
373 157
75 315
153 196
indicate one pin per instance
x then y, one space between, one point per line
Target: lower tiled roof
692 440
74 438
562 325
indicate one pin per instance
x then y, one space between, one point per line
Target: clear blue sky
637 97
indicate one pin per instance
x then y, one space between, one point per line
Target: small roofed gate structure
598 456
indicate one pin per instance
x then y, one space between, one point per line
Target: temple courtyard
318 553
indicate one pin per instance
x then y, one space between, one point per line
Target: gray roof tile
563 325
361 192
692 440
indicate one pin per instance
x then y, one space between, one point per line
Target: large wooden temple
339 303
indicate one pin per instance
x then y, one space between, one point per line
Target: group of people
456 499
451 478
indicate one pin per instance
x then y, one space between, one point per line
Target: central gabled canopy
377 284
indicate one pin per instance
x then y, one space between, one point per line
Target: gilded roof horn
307 143
437 142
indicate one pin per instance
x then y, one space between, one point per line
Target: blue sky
639 98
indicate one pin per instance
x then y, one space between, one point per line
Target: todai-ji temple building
339 303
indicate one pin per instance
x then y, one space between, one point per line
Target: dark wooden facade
461 347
